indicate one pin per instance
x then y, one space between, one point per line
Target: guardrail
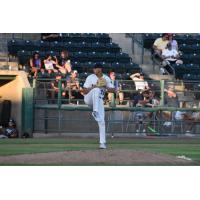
62 115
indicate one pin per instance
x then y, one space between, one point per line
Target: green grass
187 147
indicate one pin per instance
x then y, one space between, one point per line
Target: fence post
27 111
59 93
162 87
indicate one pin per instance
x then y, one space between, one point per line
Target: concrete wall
13 91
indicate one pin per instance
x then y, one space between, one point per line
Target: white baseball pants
95 100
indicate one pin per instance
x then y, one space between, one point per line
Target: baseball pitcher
94 89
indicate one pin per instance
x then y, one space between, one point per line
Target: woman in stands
35 64
50 63
63 64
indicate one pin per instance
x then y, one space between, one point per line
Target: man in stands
73 86
53 92
118 87
140 83
170 56
170 100
159 45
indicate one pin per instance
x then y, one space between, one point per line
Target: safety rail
62 116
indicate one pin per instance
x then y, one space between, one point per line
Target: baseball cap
98 65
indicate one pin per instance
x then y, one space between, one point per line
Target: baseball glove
101 82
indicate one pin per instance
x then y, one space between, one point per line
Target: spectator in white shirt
140 83
171 55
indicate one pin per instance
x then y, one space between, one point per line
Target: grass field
187 147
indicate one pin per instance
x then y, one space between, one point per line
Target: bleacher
84 50
189 45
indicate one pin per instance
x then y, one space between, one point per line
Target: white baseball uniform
95 99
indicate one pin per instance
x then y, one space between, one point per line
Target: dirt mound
94 157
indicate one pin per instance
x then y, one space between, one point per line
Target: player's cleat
102 146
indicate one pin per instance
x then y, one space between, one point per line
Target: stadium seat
44 46
103 37
24 57
89 37
15 45
52 53
123 58
95 57
108 57
56 46
98 47
80 57
112 48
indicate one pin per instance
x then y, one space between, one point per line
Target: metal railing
60 114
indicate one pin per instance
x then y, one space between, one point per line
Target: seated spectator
159 45
50 63
173 42
73 86
153 101
42 73
170 56
50 37
35 64
170 100
118 88
10 131
140 83
63 64
50 73
53 92
141 98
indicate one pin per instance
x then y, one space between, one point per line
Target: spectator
42 73
63 64
35 64
10 131
170 56
153 101
73 86
50 73
141 98
159 45
49 63
170 100
118 87
173 42
53 92
140 84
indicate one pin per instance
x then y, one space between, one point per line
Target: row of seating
117 67
14 46
24 56
181 71
87 37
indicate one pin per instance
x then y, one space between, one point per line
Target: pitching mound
94 157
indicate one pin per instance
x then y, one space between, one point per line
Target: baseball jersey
92 79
